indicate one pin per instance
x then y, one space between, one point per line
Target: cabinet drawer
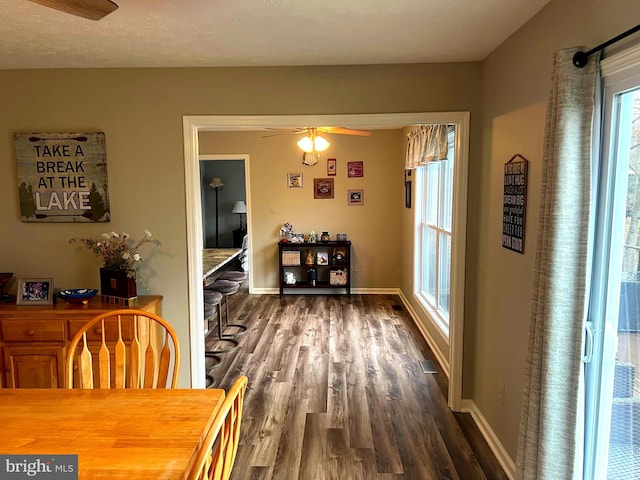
95 334
33 330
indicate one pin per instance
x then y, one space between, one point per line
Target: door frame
192 125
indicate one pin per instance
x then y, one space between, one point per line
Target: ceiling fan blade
344 131
289 130
89 9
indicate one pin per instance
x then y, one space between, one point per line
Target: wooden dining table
117 434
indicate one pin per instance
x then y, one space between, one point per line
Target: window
434 200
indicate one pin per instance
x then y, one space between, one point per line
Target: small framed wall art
355 169
34 291
322 188
331 167
294 180
355 197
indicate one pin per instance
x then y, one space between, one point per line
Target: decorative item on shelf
338 277
78 295
313 237
5 277
297 238
312 276
286 232
289 278
325 237
339 256
290 258
341 237
309 260
323 258
120 255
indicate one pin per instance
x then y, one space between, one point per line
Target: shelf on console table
323 270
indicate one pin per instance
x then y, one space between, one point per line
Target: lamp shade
306 144
216 183
320 144
239 207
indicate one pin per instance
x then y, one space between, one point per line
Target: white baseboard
442 357
328 291
508 465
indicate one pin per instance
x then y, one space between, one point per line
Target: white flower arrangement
118 251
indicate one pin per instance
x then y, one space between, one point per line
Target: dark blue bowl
78 293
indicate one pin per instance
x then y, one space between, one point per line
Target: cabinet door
34 366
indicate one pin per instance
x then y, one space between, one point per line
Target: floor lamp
217 185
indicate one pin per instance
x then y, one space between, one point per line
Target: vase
116 283
325 237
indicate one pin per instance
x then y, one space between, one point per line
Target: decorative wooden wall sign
62 177
514 203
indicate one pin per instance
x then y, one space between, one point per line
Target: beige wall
373 228
516 79
141 110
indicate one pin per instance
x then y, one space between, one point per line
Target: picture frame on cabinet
34 291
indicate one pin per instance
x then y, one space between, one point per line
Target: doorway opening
192 125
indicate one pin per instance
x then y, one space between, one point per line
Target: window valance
426 143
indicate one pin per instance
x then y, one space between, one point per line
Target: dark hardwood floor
336 391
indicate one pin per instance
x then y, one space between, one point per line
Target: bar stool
227 288
234 276
213 300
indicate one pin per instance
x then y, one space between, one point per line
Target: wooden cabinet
34 339
39 366
321 265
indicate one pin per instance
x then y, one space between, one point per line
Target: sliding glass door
612 356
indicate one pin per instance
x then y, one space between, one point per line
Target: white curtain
426 143
551 425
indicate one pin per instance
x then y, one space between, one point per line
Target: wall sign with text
514 203
62 177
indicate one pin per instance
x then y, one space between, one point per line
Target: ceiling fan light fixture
306 144
313 144
320 144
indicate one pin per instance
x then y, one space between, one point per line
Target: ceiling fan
313 142
89 9
317 130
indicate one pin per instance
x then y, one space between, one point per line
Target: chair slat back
86 367
104 360
145 354
217 454
121 358
135 358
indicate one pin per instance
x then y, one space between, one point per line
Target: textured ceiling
205 33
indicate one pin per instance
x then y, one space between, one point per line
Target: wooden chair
125 348
217 454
